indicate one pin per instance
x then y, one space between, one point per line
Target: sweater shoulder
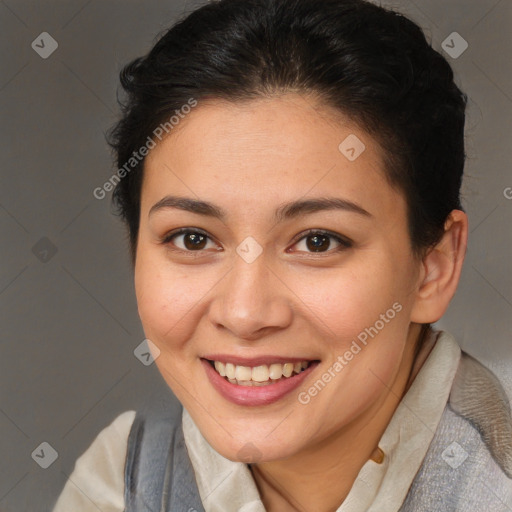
468 466
478 397
97 480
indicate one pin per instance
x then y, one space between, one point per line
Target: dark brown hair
372 64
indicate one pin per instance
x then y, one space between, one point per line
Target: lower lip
255 395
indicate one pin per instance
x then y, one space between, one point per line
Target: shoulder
121 425
109 446
468 465
478 397
97 480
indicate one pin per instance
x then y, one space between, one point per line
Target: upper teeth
259 373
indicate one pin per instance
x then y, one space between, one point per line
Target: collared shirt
97 480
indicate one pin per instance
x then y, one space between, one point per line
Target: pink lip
255 395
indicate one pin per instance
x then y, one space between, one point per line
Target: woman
289 173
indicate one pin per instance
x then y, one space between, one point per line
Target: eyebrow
286 211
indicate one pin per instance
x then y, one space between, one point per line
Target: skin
249 158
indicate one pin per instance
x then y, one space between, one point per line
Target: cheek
362 321
168 300
362 312
344 301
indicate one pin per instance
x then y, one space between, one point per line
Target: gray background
69 319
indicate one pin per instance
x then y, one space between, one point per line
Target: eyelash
345 243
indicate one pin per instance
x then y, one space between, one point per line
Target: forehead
254 154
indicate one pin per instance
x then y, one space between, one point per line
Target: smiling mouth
263 375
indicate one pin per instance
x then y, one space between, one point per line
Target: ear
440 271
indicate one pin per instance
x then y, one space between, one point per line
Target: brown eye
194 241
188 240
319 241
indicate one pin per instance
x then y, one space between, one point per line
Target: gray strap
158 473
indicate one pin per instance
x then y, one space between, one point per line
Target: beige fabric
97 481
98 478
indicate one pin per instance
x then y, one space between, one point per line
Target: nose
251 301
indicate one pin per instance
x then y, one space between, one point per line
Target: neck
320 477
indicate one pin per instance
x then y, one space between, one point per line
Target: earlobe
441 269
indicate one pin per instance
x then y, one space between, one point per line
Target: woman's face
257 289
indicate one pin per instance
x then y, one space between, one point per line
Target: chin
252 448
